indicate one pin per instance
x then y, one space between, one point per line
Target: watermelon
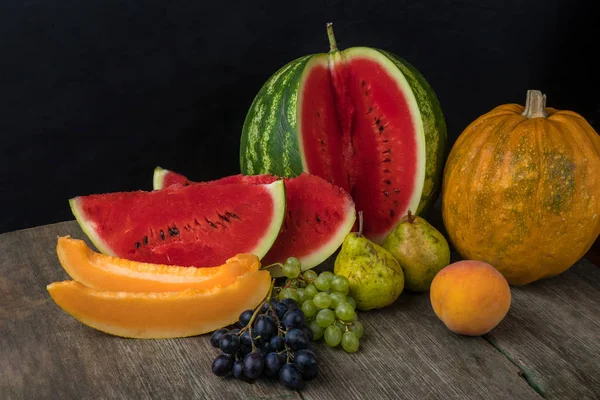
193 225
319 215
363 119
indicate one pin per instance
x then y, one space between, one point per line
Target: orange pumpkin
521 190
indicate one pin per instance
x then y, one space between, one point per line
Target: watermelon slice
361 118
194 225
318 218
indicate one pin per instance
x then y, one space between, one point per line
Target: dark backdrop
94 94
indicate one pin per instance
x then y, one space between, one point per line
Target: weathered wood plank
46 354
552 332
407 352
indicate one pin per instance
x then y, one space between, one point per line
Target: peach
470 297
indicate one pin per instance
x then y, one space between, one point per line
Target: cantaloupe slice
161 315
102 272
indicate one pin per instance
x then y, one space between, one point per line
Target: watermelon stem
332 44
535 105
360 223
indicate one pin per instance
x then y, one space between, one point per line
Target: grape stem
271 266
248 327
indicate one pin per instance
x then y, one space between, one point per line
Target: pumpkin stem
535 105
332 44
411 217
360 223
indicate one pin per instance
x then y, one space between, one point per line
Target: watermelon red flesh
319 216
369 145
195 225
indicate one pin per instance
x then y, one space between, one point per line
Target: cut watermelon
164 177
194 225
363 119
318 218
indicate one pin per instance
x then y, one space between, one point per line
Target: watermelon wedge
193 225
319 215
361 118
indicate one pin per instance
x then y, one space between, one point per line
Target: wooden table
548 346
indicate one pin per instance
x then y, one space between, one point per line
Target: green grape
325 318
310 291
300 292
357 328
286 293
309 309
327 274
340 284
317 330
340 324
350 300
291 269
345 312
333 335
322 300
336 299
350 342
310 275
294 261
322 283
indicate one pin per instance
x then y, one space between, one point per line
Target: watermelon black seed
173 231
385 141
223 217
377 121
396 203
137 245
387 160
386 151
318 219
162 235
380 128
145 239
386 171
363 83
396 191
392 213
385 193
210 223
370 110
387 181
232 215
322 141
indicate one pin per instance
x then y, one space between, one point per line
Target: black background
94 94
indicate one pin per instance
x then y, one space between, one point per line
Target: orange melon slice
102 272
161 315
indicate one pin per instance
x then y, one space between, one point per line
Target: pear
421 250
376 278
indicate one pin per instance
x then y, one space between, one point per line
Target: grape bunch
271 341
328 309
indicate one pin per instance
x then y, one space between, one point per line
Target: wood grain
46 354
552 332
406 353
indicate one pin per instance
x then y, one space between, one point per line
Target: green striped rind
434 126
269 143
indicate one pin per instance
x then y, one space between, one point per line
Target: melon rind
277 191
88 227
158 179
